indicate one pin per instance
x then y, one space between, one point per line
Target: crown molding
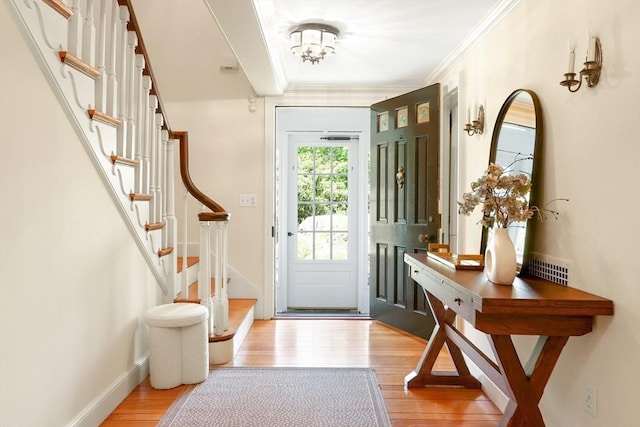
493 18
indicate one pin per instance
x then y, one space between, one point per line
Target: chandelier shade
312 42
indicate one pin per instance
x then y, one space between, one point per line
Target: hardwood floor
339 343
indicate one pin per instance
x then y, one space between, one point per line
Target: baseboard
101 407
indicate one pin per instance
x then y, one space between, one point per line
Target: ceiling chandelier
313 41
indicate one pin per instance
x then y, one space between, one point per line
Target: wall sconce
475 126
591 70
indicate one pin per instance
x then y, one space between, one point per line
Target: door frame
348 289
325 97
314 122
450 161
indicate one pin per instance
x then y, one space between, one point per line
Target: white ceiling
391 43
381 42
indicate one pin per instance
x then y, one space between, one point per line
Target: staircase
94 56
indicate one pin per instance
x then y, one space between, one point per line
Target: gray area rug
281 397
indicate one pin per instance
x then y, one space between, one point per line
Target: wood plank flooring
337 343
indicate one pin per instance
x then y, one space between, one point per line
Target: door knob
423 238
289 234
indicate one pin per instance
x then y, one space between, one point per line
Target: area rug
281 397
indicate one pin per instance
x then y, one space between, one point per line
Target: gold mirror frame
520 111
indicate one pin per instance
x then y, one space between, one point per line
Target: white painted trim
240 25
243 330
103 405
312 122
493 18
450 90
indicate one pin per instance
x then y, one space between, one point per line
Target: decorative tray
440 252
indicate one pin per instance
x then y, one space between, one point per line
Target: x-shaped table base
523 385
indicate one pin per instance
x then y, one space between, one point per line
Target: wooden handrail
220 214
141 49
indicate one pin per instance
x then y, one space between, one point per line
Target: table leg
526 390
423 374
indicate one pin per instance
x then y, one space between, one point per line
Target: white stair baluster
185 279
111 50
89 34
225 273
218 306
154 141
101 40
137 119
159 167
129 100
147 137
75 29
204 274
122 56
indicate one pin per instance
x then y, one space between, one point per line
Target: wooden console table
532 306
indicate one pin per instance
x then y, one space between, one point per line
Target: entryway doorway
321 214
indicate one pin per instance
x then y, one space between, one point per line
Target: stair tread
165 251
77 63
60 7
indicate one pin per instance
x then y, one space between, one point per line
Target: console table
531 306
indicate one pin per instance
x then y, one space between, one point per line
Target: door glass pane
322 202
422 113
322 188
339 190
322 246
402 117
340 245
340 160
305 186
305 246
383 121
323 159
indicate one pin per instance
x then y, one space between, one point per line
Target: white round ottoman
178 344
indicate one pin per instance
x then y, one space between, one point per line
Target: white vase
500 258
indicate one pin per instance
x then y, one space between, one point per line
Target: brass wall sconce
475 126
591 70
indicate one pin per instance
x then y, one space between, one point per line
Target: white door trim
320 282
322 98
324 120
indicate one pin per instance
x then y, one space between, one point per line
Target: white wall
591 155
73 283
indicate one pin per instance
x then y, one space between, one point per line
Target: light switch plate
247 200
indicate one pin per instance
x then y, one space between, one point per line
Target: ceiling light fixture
313 41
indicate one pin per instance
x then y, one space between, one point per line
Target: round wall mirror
516 145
